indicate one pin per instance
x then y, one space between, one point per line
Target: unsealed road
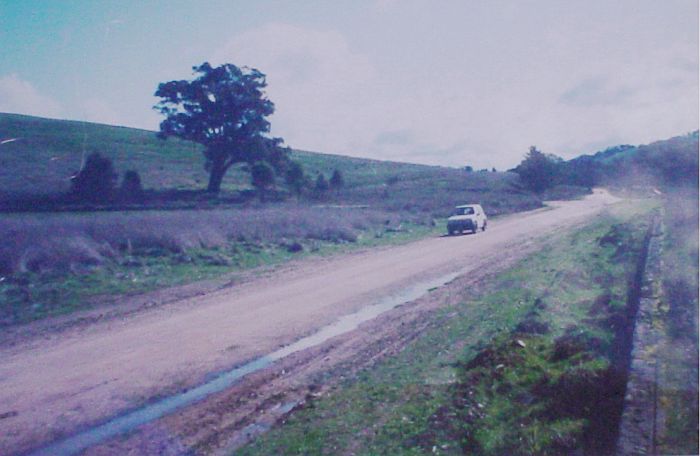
54 386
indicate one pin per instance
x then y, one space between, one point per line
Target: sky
455 83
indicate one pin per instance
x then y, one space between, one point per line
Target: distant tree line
669 163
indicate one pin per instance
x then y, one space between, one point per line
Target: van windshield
463 211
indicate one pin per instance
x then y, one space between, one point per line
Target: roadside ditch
661 401
637 434
539 391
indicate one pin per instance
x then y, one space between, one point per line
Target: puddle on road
131 420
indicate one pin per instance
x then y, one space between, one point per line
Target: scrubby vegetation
670 163
536 370
53 263
56 261
677 318
539 171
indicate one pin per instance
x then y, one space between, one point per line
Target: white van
469 217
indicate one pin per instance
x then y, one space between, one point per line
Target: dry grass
43 242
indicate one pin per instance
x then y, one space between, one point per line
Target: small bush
295 247
565 192
295 178
321 187
262 177
337 181
95 182
131 188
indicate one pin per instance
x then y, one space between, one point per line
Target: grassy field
516 370
53 264
47 152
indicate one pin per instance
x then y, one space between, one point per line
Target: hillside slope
46 152
671 162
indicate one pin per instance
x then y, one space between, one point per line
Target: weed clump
131 189
622 238
532 323
527 394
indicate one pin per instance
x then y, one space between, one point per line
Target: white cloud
475 87
100 111
317 82
463 83
384 6
21 97
331 98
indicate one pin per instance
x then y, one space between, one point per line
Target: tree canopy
225 109
538 171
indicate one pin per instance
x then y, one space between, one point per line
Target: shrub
337 181
262 177
321 186
295 178
131 189
95 182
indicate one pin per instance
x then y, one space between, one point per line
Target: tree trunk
218 169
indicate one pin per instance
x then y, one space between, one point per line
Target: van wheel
483 228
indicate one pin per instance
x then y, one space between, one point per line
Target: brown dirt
51 386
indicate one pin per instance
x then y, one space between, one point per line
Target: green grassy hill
668 163
47 152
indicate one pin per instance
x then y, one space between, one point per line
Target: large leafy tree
225 109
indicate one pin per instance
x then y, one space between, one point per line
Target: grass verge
677 319
75 262
510 371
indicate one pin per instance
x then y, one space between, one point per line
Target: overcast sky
439 82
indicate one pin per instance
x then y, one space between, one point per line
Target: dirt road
52 387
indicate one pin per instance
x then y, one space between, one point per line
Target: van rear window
463 211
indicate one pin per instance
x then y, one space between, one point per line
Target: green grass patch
27 296
560 304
